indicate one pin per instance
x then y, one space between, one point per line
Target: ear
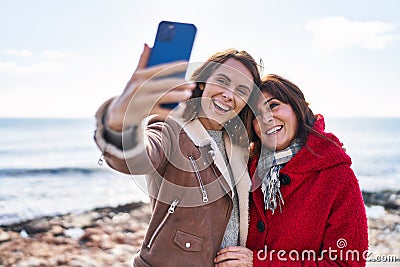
201 86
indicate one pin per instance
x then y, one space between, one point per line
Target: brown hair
245 116
289 93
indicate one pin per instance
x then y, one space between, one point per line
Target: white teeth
274 130
222 106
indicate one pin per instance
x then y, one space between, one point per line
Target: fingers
161 70
166 85
234 256
147 102
175 96
170 97
144 99
144 57
226 256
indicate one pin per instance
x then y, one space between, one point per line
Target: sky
64 58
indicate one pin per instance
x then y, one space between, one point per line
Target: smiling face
225 94
275 123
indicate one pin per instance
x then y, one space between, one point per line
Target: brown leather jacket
189 187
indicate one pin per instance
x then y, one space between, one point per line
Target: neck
210 124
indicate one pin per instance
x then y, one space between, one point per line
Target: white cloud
337 33
56 54
49 61
21 53
42 67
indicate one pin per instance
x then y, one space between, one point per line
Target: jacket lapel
198 134
237 157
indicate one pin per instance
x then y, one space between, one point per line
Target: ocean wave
48 171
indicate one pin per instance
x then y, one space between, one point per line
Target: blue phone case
174 41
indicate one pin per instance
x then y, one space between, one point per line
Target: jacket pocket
188 242
171 210
199 179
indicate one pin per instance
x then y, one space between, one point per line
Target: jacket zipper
170 211
196 170
212 164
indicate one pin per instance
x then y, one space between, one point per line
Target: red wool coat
323 221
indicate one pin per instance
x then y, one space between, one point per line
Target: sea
50 166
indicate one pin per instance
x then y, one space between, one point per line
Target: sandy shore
111 236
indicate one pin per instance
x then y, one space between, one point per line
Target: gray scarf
269 165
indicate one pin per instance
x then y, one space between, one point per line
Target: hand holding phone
174 41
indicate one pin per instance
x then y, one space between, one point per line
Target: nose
267 116
227 94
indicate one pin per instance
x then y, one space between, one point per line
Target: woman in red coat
306 208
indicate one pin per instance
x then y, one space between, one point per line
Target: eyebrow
266 102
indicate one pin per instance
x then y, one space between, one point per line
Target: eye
273 105
242 91
222 81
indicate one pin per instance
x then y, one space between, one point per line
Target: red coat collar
322 150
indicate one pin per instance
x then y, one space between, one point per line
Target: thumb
144 57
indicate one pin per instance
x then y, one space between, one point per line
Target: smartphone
174 41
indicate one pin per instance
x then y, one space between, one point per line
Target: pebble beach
111 236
